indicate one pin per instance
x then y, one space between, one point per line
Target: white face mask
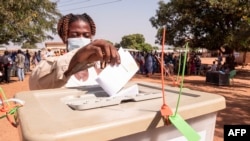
74 43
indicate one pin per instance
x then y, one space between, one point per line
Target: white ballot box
89 114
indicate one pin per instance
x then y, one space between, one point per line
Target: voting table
70 114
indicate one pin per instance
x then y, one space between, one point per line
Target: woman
77 32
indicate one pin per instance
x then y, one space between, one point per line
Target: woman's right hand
97 50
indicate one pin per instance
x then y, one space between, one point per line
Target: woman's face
79 29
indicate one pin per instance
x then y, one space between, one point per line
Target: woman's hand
98 50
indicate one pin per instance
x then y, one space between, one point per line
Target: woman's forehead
79 25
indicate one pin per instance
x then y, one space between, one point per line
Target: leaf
30 20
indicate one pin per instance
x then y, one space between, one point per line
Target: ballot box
88 114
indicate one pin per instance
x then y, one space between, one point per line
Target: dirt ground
237 100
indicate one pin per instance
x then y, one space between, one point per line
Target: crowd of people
227 66
149 63
14 63
17 62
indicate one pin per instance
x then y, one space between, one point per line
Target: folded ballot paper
113 78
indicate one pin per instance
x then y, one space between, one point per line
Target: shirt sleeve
49 73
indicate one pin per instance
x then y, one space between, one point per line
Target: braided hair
65 21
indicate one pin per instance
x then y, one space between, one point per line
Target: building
55 46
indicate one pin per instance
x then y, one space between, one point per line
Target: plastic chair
232 74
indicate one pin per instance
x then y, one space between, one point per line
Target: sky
115 18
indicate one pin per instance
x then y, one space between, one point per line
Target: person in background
170 67
197 60
20 60
149 64
43 53
77 66
224 68
142 63
56 53
27 61
7 62
62 51
219 59
1 69
39 56
155 63
50 53
213 67
34 59
232 61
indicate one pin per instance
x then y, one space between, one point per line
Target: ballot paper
113 78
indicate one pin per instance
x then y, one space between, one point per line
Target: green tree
132 41
146 47
135 41
28 46
27 21
210 24
155 48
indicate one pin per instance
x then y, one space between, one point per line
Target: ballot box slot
90 101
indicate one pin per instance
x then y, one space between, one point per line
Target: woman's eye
76 34
73 35
86 35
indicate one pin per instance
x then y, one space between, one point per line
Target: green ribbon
176 119
182 78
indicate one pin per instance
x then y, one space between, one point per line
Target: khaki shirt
49 73
20 60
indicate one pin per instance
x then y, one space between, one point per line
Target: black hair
65 21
